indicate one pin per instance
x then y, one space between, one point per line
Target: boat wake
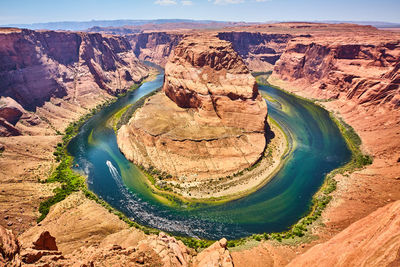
146 213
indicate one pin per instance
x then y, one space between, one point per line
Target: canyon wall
155 46
361 71
260 51
357 76
48 72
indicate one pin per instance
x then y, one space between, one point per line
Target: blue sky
31 11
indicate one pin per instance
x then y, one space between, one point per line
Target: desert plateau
209 141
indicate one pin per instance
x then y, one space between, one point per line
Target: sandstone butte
361 222
208 121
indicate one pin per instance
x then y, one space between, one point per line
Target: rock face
170 251
208 121
10 110
45 242
154 46
260 51
38 67
359 70
372 241
215 255
10 113
205 73
9 248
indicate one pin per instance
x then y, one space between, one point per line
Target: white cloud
173 2
187 2
165 2
224 2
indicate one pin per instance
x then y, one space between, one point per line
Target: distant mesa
209 119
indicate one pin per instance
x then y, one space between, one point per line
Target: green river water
317 147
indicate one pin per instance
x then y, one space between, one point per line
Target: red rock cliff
212 78
154 46
39 67
260 51
360 70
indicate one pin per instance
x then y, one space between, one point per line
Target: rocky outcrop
108 242
10 113
359 70
209 106
154 46
215 255
371 241
171 251
10 110
45 242
43 252
260 51
41 67
9 248
206 74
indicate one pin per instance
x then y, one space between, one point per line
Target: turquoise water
317 148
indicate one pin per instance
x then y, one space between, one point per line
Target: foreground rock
108 242
208 121
45 242
9 248
215 255
10 113
372 241
43 250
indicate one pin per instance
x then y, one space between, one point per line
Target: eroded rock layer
154 46
110 242
371 241
47 71
260 51
359 69
206 74
208 121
